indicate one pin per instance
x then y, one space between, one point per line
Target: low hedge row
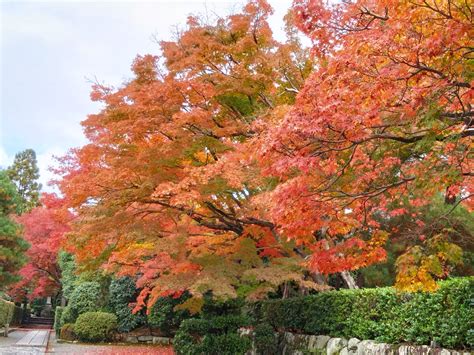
7 310
10 313
445 316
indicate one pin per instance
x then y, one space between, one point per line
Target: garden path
9 346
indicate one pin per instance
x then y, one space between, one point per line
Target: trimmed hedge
216 332
217 335
7 310
265 339
95 326
383 314
57 320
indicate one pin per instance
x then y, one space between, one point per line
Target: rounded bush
96 326
68 332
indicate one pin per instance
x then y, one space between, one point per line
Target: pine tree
24 173
12 246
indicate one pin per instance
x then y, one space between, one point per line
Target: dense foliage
58 324
382 125
67 265
44 228
12 246
238 164
265 339
68 315
122 293
216 335
6 312
86 297
167 315
152 188
215 331
24 173
382 314
95 326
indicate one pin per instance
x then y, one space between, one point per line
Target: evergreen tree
24 173
12 246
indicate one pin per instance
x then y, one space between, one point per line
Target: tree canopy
24 173
12 246
236 164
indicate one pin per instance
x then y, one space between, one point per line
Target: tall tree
44 227
156 193
12 246
24 173
384 124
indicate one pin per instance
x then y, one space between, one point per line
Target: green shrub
212 335
266 342
86 297
37 306
164 316
67 315
96 326
68 332
17 318
381 314
213 308
7 309
122 292
57 320
68 273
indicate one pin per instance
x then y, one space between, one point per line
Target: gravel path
88 349
8 347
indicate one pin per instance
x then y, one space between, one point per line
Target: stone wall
146 339
299 344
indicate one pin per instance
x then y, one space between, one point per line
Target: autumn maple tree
235 164
44 228
158 190
383 124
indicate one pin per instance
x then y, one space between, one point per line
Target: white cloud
5 159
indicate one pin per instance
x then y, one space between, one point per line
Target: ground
7 347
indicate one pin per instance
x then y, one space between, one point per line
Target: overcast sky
49 50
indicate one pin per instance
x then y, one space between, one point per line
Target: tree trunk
349 280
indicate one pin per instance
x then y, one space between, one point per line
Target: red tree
44 228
